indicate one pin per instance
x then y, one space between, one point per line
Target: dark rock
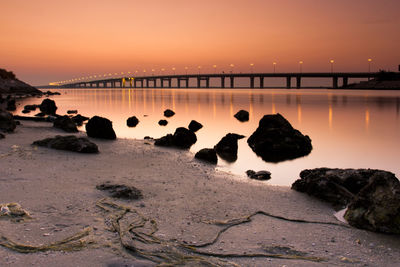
260 175
11 106
48 106
132 121
162 122
26 111
7 123
168 113
242 115
377 206
228 146
195 126
99 127
79 119
40 114
65 123
182 138
70 143
48 93
30 107
207 154
28 118
276 140
74 111
148 138
2 136
120 191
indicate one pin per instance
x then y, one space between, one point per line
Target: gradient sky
44 41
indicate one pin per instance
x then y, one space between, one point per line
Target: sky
45 41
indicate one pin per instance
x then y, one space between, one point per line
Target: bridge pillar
298 82
198 82
146 83
97 85
208 83
169 82
288 82
179 83
261 82
335 82
232 81
222 82
345 81
251 82
187 82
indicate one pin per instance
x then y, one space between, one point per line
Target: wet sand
185 197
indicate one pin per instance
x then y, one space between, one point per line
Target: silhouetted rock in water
26 118
74 111
228 146
70 143
48 107
7 123
148 138
79 119
2 136
276 140
11 106
30 107
26 111
99 127
207 154
195 126
65 123
182 138
120 191
377 206
168 113
132 121
40 114
260 175
242 115
162 122
49 93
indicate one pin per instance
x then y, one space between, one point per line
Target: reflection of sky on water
349 129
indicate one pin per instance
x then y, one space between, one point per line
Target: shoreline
182 195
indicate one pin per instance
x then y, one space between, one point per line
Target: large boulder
132 121
48 106
70 143
242 115
377 206
100 127
194 126
168 113
276 140
65 123
182 138
7 123
336 186
208 155
11 106
227 147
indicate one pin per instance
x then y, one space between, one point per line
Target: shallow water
348 129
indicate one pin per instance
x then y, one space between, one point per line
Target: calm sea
348 129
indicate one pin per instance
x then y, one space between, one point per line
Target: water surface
348 129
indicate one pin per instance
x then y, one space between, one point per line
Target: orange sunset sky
44 41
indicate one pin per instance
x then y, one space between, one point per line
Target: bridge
203 80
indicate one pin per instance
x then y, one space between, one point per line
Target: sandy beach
187 200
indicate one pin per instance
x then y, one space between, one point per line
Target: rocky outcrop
377 206
100 127
120 191
162 122
65 123
70 143
7 123
276 140
194 126
182 138
242 115
9 84
132 121
227 148
168 113
11 105
79 119
208 155
48 107
260 175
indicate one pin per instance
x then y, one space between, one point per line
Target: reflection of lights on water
231 104
367 118
214 106
330 118
251 105
299 115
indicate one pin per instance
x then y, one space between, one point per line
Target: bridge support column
222 82
179 83
345 81
288 82
298 82
335 82
198 82
169 83
187 82
208 83
146 83
232 81
97 85
261 82
251 82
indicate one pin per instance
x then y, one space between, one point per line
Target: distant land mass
385 80
9 84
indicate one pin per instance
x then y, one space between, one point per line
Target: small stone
169 113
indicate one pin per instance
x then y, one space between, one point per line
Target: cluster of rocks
372 197
120 191
69 143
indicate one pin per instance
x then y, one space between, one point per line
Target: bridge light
332 61
301 66
232 66
274 64
215 69
251 67
199 67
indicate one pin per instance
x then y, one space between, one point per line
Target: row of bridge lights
274 64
